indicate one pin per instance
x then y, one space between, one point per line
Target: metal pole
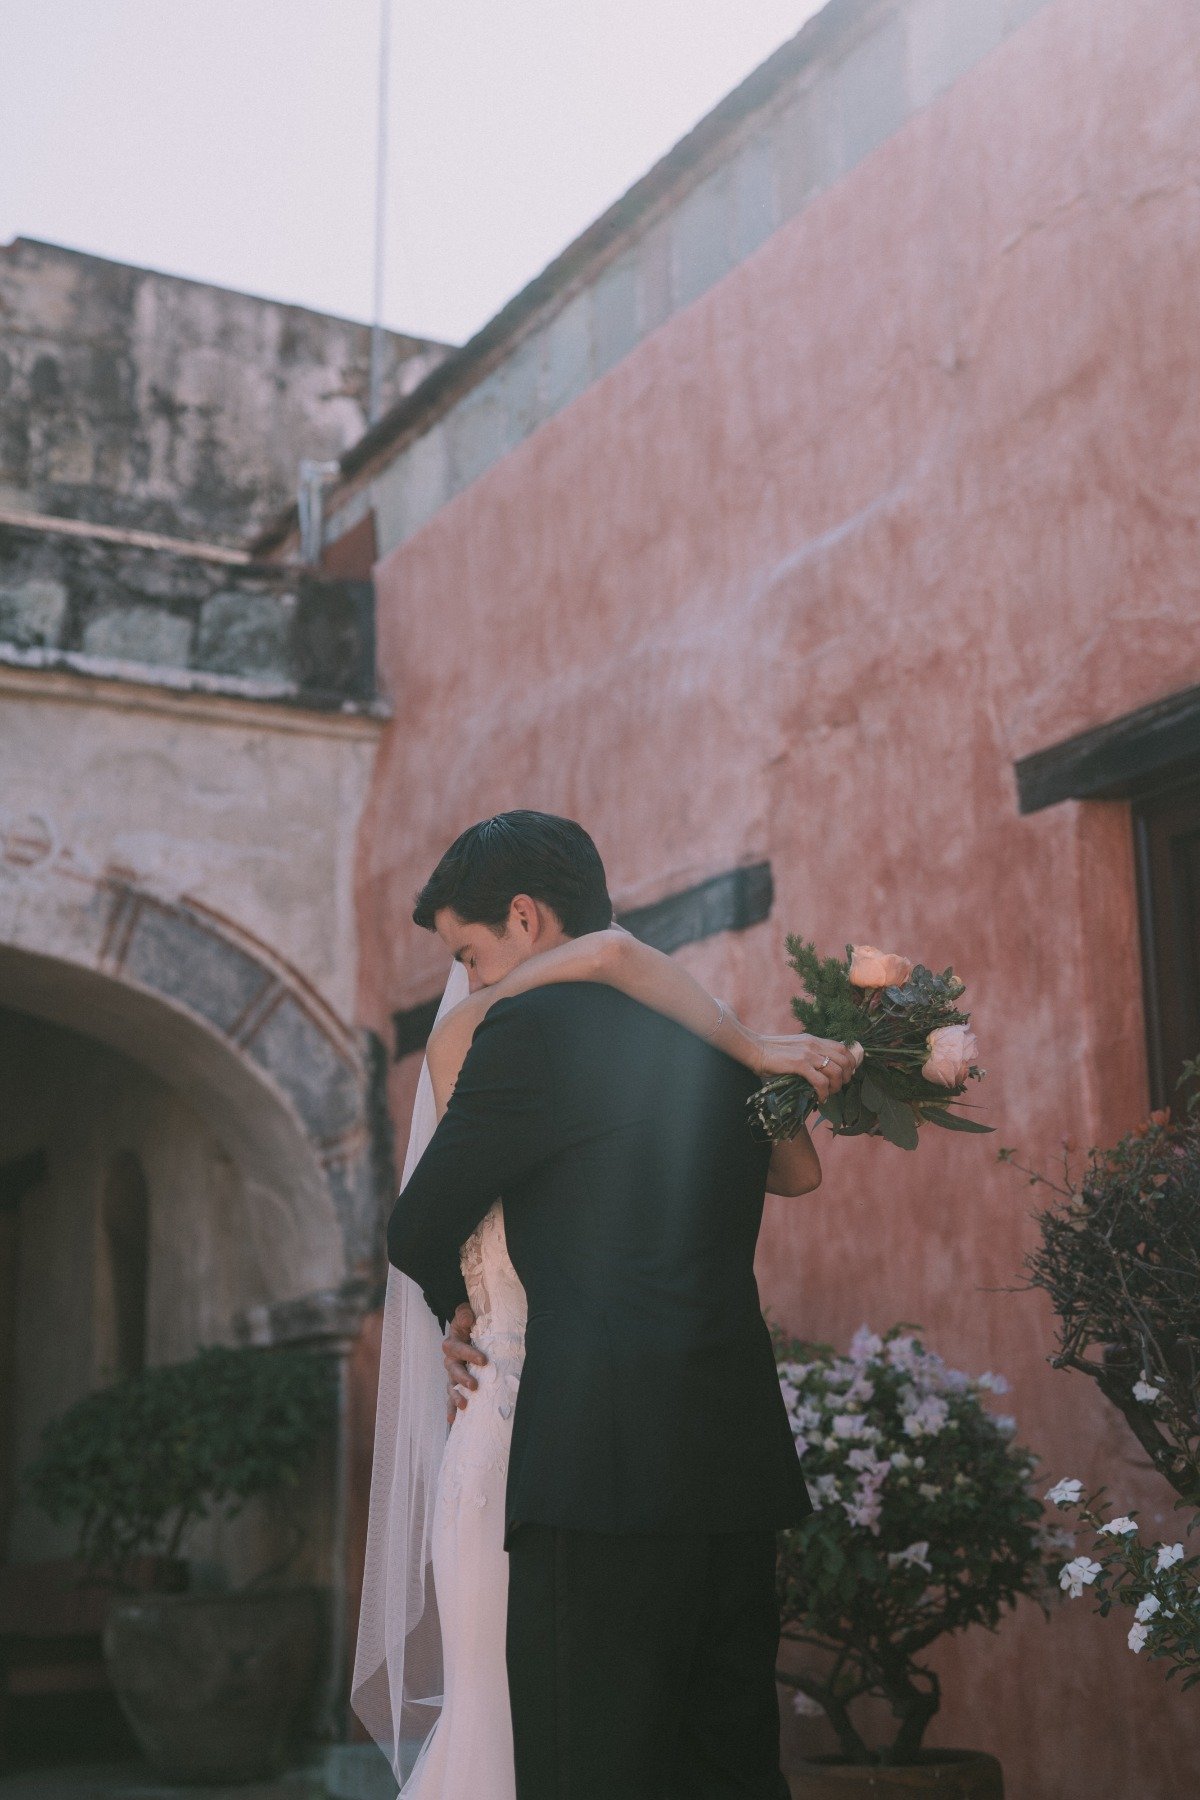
375 403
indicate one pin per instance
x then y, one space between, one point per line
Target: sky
235 140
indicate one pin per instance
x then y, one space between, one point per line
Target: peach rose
952 1050
872 968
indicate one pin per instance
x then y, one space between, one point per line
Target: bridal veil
396 1688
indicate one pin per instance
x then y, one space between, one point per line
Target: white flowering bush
1119 1257
1158 1581
924 1524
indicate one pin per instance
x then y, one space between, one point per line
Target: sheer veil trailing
396 1689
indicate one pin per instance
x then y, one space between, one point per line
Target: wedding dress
469 1755
430 1679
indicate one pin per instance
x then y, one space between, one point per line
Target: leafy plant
897 1025
1119 1257
137 1464
924 1525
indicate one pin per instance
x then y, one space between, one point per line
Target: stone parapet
127 611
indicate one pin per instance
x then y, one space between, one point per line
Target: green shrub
137 1464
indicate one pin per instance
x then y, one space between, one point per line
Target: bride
430 1681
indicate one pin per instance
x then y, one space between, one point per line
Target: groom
652 1461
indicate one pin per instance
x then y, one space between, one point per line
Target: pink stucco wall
911 493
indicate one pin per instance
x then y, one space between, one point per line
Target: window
1167 837
1152 759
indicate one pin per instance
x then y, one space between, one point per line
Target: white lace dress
469 1755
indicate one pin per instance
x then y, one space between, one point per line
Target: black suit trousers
642 1666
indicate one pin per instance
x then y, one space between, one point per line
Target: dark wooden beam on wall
729 902
732 901
1114 761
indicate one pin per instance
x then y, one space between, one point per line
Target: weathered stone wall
265 631
134 398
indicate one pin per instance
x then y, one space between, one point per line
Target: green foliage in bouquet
1119 1258
900 1028
136 1464
924 1525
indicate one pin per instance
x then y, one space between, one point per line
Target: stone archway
228 1023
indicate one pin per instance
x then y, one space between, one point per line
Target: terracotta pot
214 1685
941 1774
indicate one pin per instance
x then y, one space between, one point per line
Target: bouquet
918 1049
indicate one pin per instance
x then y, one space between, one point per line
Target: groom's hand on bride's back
459 1354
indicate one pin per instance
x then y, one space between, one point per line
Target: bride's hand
824 1063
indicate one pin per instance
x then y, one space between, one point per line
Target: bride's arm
617 959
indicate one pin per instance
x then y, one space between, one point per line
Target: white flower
1168 1554
1146 1609
1137 1637
865 1344
929 1490
994 1384
1076 1574
1122 1527
864 1510
806 1706
1005 1424
901 1459
849 1425
822 1490
915 1556
901 1353
1143 1390
927 1418
1065 1493
1054 1538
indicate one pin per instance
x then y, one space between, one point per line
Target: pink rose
952 1050
872 968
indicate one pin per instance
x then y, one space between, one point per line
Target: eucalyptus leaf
952 1121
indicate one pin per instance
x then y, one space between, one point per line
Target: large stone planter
214 1685
940 1775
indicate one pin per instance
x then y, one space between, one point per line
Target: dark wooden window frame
1150 758
731 901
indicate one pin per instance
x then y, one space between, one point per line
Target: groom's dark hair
550 859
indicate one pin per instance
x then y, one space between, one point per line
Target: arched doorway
185 1158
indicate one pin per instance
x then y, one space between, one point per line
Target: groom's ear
525 918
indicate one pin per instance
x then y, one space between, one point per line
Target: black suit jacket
633 1194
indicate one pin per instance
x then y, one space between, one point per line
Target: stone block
615 328
655 297
411 489
754 202
32 613
802 155
871 92
174 954
519 380
145 634
567 354
945 39
245 634
477 433
332 642
324 1089
702 237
